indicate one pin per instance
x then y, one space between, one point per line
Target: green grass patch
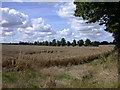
34 86
10 77
74 82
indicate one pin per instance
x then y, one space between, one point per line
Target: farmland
58 67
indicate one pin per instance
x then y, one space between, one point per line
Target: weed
10 77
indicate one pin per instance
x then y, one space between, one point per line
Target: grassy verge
99 73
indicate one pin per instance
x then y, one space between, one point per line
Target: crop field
52 56
56 67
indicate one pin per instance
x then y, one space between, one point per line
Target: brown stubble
20 57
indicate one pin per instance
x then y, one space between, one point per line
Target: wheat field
50 56
30 66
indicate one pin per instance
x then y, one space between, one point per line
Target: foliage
50 43
81 42
74 43
63 42
104 43
54 42
68 43
95 43
46 43
106 13
87 42
58 43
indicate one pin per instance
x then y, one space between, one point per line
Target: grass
62 73
74 82
64 56
10 77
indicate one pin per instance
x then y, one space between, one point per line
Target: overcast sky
37 21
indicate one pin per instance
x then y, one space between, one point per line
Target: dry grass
59 67
16 57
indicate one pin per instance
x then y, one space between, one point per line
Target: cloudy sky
41 21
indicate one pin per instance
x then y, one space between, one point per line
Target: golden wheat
20 57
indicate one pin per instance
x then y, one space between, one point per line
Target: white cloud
39 25
92 31
14 22
17 26
12 18
66 10
37 30
65 32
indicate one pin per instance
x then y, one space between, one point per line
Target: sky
41 21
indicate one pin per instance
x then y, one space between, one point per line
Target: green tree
80 42
46 43
35 43
63 42
40 43
50 43
54 42
58 43
106 13
87 42
68 43
74 43
43 43
104 43
96 43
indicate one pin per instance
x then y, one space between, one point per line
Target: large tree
68 43
87 42
46 43
80 42
63 42
106 13
74 43
58 43
95 43
54 42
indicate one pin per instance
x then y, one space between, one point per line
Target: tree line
63 42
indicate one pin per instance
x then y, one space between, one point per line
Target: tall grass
47 58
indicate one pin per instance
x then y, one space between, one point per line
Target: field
28 66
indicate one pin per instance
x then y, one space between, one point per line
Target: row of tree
63 42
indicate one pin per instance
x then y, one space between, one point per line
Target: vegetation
95 43
63 42
68 43
74 43
102 12
20 57
106 13
46 67
80 42
26 66
87 42
54 42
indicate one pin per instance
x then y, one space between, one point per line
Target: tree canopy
74 43
63 42
96 43
106 13
81 42
56 42
68 43
87 42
